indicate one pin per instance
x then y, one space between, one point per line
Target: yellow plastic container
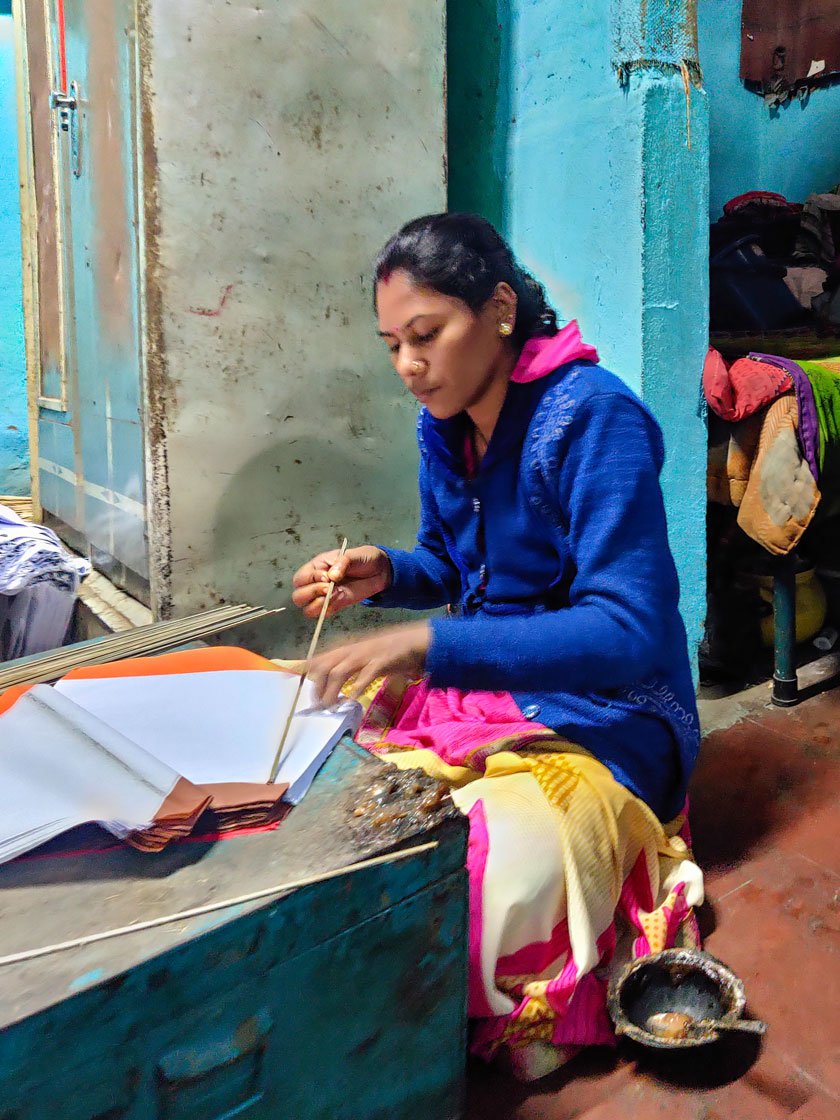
810 606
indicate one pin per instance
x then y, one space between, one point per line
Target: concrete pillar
583 131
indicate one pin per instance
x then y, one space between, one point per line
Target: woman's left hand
399 649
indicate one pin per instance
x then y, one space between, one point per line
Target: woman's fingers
313 610
401 648
359 574
356 563
304 596
338 568
328 674
364 678
310 599
339 600
355 590
338 676
330 671
315 571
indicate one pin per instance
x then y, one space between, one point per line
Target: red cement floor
766 822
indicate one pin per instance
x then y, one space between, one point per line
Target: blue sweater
556 557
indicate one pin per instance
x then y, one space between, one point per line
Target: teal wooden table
343 1000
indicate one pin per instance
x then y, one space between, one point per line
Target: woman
555 698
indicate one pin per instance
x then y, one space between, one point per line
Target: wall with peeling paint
595 183
281 149
792 149
14 446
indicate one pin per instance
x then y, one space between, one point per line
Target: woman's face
445 354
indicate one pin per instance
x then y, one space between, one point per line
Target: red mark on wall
214 312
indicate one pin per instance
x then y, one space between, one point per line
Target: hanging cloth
809 429
744 388
825 382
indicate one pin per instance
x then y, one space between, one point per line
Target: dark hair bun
463 256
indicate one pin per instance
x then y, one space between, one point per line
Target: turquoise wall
593 181
793 149
14 447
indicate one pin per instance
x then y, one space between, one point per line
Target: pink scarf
541 356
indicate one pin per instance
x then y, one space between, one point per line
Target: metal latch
64 102
69 115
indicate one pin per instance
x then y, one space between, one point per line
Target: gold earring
505 329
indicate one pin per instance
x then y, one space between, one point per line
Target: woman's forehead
399 299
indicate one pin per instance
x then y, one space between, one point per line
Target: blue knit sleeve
606 500
425 577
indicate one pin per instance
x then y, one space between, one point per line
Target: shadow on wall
290 502
479 106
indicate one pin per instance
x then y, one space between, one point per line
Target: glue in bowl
680 982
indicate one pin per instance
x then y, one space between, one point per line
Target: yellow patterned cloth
570 876
563 860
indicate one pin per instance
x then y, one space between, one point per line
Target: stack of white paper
60 767
220 726
144 746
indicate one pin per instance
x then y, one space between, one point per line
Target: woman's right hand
360 573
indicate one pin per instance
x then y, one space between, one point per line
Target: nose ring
418 366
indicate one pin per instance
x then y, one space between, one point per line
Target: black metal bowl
682 981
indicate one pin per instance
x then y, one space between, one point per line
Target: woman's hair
462 255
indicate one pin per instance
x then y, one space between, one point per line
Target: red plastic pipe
62 45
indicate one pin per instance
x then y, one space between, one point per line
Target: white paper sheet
60 767
219 726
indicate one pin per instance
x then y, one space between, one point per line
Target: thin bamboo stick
89 653
21 506
142 640
278 758
210 907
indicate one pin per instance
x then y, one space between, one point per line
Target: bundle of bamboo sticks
21 506
140 642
